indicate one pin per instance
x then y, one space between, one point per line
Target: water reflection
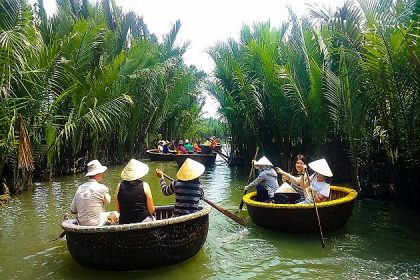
380 241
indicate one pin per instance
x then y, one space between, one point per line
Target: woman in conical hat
134 199
318 182
266 182
187 187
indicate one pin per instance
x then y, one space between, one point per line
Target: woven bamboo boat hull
139 246
154 155
301 218
205 159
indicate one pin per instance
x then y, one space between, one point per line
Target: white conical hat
263 162
134 170
190 170
321 166
285 188
95 167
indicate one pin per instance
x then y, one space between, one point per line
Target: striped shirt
187 195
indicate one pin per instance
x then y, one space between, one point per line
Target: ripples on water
381 240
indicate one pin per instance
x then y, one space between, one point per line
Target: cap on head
134 170
95 167
321 166
190 170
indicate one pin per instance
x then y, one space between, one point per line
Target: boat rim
351 195
156 152
213 154
70 226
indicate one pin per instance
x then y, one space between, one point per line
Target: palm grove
89 82
340 84
93 82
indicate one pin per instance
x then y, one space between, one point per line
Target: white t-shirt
89 202
319 187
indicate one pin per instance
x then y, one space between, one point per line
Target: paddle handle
317 215
249 179
227 213
242 200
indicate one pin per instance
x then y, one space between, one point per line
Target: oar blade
227 213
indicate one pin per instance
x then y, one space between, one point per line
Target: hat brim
129 177
136 174
101 169
321 167
190 170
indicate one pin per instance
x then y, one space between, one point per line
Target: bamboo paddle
222 210
249 178
222 155
61 236
317 215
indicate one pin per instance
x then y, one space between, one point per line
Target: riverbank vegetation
340 84
88 82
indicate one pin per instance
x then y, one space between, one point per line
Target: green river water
380 241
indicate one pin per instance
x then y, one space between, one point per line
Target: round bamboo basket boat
301 218
154 155
205 159
139 246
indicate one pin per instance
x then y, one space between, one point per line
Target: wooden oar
317 215
59 237
249 178
222 155
222 210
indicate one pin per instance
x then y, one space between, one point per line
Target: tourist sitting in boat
208 142
180 149
293 179
160 145
165 148
91 197
134 199
187 188
214 141
171 146
196 147
188 146
266 182
318 184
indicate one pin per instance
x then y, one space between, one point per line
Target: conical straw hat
263 162
134 170
285 188
321 166
190 170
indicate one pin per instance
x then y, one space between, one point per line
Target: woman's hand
279 170
159 173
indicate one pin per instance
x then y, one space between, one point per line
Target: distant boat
155 155
139 246
205 159
208 149
301 218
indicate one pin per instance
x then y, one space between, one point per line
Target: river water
380 241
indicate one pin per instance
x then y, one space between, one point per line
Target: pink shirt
181 149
